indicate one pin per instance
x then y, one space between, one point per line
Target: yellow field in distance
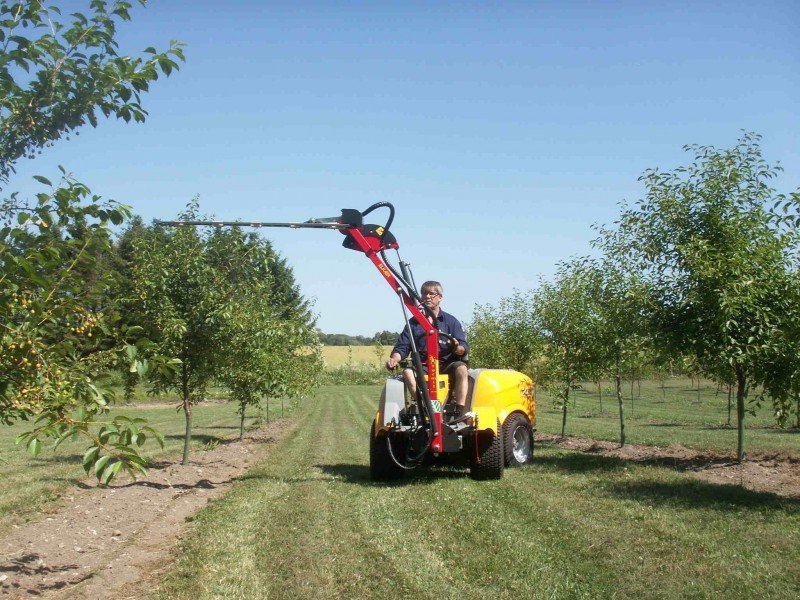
336 356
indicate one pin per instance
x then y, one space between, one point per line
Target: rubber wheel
381 465
518 440
486 461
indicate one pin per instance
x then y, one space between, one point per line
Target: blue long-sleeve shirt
447 323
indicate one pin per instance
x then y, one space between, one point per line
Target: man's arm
400 350
393 361
462 347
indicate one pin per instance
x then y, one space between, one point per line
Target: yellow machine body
494 395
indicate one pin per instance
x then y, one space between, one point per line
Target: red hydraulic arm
371 249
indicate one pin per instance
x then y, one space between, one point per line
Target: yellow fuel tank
497 393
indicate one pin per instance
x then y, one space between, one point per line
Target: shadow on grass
202 438
61 459
701 494
579 462
687 493
582 461
359 474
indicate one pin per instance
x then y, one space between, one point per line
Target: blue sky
501 131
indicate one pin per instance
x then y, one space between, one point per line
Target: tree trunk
621 410
267 403
631 396
564 413
798 411
730 403
600 391
740 389
281 407
241 421
187 411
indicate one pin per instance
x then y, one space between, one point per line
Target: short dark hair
434 286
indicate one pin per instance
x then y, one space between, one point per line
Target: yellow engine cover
499 393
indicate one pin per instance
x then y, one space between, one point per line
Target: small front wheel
381 465
518 440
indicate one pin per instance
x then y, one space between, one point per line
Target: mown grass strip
308 523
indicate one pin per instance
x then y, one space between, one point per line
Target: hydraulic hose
414 461
409 287
377 205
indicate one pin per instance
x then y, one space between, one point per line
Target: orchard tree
505 336
487 344
621 339
227 307
567 318
717 266
180 301
58 322
271 348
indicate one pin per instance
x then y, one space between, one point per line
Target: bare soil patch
105 542
773 474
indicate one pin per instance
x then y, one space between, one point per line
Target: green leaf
43 180
132 467
116 217
100 465
34 446
89 457
110 472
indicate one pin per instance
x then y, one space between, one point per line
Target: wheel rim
521 445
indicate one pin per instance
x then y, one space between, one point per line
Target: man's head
431 292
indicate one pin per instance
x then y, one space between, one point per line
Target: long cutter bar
312 224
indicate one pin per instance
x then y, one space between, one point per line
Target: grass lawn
32 484
674 414
308 523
